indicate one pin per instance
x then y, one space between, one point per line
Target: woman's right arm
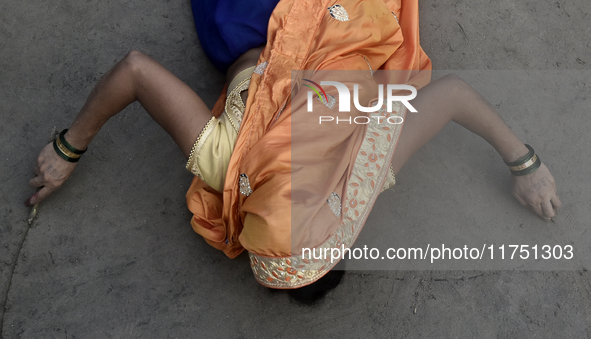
168 100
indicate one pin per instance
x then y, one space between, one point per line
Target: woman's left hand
537 191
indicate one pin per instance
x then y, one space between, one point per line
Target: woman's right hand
50 173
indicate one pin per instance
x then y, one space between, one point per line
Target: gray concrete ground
112 254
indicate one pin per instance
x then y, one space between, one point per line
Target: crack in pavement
10 275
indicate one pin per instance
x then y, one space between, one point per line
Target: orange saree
295 183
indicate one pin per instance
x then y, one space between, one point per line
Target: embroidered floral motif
371 170
245 185
334 203
338 12
260 68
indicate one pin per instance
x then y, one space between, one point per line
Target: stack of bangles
527 164
65 150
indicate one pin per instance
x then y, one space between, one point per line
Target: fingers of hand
47 175
541 205
556 203
538 191
43 193
548 210
36 181
40 195
50 173
552 202
49 179
538 209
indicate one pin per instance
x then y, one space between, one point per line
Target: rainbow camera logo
323 98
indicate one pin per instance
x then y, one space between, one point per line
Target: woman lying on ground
254 189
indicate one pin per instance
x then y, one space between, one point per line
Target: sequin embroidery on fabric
244 185
280 110
192 165
369 65
234 105
260 68
338 12
395 17
334 203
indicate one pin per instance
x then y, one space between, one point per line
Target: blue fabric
229 28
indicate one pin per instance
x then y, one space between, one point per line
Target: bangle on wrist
527 164
65 150
67 144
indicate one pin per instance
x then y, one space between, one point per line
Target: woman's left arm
452 99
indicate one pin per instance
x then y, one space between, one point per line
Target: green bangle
529 169
67 144
62 152
527 164
523 159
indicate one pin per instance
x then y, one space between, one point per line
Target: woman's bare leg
169 101
451 99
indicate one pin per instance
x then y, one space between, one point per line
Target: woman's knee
455 84
135 62
459 96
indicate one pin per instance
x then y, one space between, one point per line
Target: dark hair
314 292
